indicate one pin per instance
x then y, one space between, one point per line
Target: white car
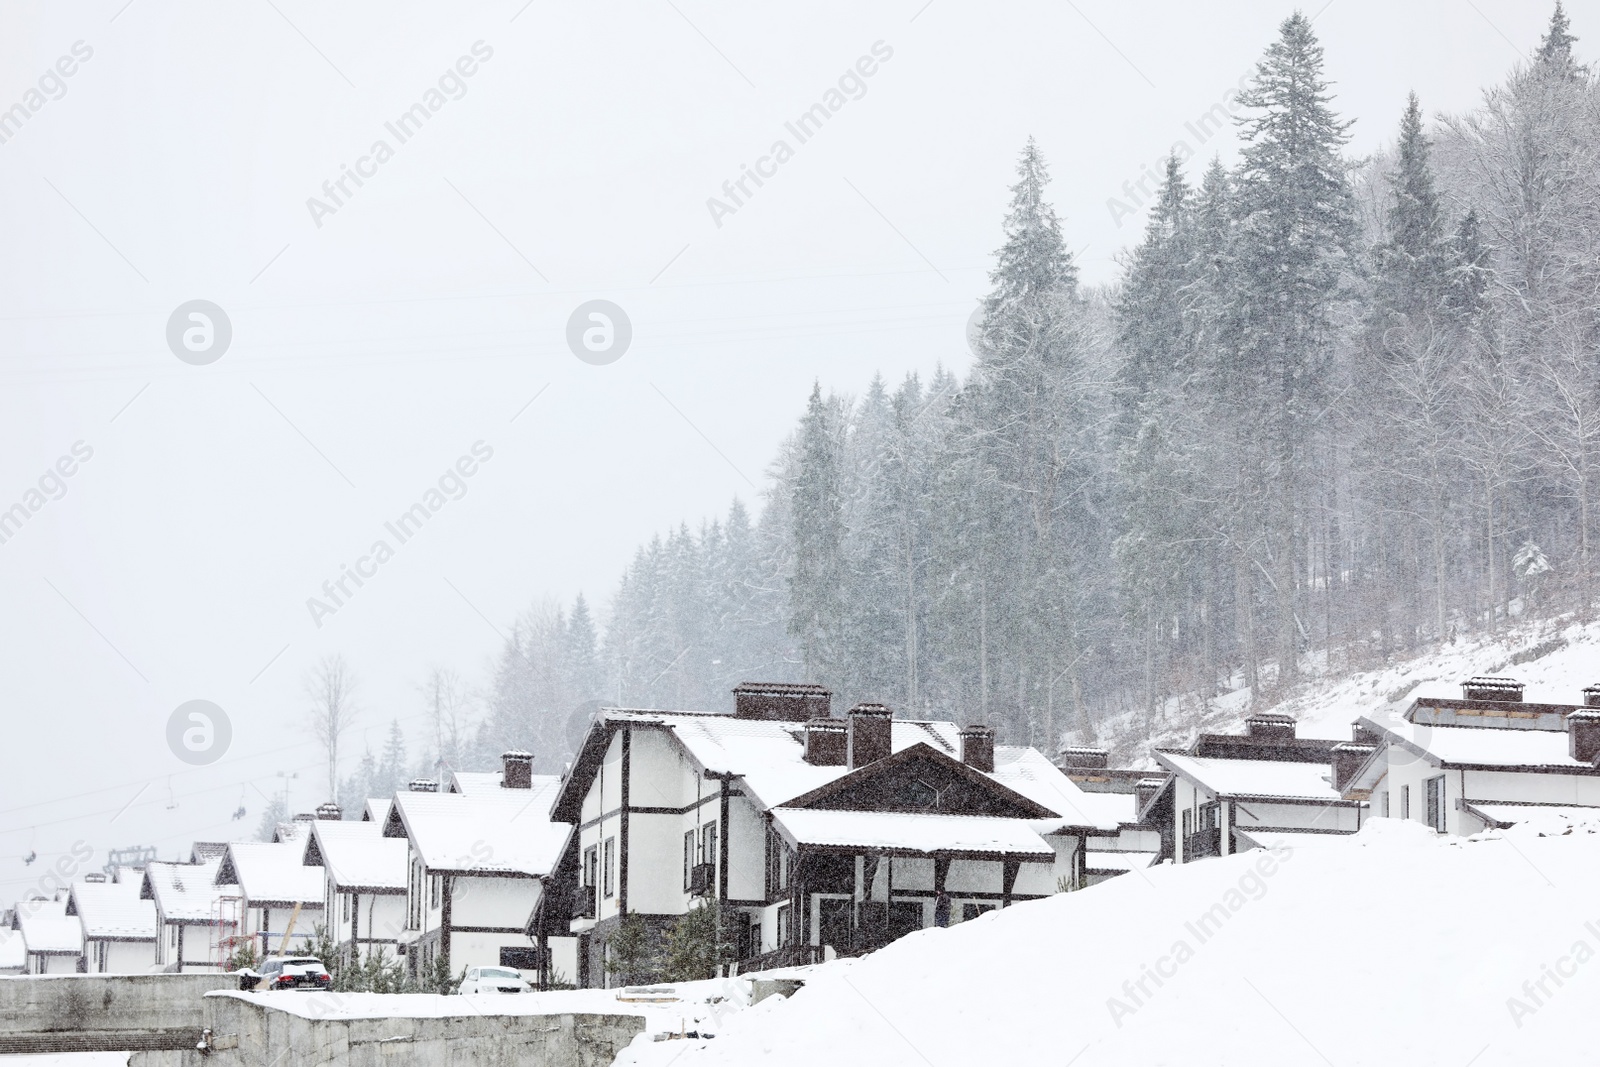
494 980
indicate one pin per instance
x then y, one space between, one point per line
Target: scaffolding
227 930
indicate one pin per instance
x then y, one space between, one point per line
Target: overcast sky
380 335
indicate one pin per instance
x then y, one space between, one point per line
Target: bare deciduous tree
329 689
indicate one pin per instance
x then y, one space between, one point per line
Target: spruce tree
1413 263
1555 47
1295 232
816 581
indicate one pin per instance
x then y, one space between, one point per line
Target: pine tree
1555 47
816 582
1413 263
1295 231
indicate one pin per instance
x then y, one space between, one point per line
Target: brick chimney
870 734
1094 759
781 701
1270 724
423 785
517 769
1591 696
1583 735
1348 757
330 812
1499 690
827 742
977 747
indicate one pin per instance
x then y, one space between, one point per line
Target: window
1405 802
434 884
778 862
1436 809
1188 822
611 867
708 843
784 930
346 898
688 857
972 911
1385 805
591 867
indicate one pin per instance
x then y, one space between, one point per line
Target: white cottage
476 871
119 926
1487 760
52 939
364 885
193 912
1230 793
815 835
280 899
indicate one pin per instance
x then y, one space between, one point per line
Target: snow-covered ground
1391 946
1555 659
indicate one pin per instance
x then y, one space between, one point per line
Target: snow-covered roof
1508 813
1484 746
13 952
1027 771
769 756
47 928
504 832
1254 778
113 910
272 872
356 856
1097 861
912 832
1276 839
377 810
473 782
185 892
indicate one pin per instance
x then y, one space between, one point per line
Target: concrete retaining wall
104 1012
246 1033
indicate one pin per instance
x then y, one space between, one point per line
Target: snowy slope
1555 659
1392 946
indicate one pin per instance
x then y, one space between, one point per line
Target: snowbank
1390 946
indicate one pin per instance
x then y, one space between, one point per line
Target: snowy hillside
1554 659
1392 946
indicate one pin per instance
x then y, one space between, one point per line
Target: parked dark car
294 972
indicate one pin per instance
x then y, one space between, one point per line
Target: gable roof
356 856
271 873
113 911
1262 779
471 782
185 892
857 785
507 832
376 810
13 951
47 929
768 756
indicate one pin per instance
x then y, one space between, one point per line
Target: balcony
702 879
788 956
1203 843
583 899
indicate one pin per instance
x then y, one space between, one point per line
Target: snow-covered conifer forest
1333 410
